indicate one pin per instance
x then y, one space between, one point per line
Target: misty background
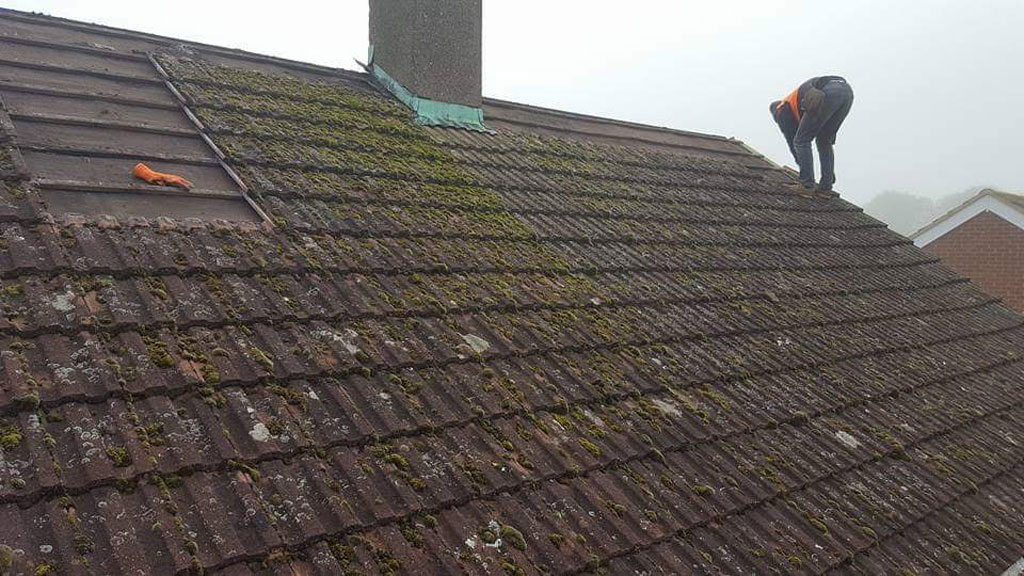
938 105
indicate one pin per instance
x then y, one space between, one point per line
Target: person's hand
812 99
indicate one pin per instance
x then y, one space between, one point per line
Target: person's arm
788 124
792 149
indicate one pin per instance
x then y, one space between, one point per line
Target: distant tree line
906 213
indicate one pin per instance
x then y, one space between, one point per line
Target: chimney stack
428 53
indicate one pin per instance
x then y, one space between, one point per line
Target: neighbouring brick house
365 344
983 239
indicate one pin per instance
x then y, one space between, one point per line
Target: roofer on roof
814 111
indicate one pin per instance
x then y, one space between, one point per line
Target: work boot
799 189
825 191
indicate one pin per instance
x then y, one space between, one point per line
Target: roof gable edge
984 202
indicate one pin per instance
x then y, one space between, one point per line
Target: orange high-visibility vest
794 103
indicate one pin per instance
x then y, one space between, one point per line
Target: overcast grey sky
938 83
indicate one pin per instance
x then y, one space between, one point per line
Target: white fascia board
992 204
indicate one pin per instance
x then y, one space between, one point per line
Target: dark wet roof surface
495 354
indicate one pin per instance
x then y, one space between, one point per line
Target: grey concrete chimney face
432 47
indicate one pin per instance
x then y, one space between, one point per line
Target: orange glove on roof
143 172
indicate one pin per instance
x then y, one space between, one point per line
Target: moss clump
513 537
702 489
157 351
417 484
556 539
386 453
157 288
126 485
398 460
46 569
343 552
250 471
29 401
120 456
411 534
151 434
10 436
509 566
293 397
590 447
83 544
408 386
473 471
17 483
618 509
6 558
262 358
213 398
385 562
961 557
276 427
210 374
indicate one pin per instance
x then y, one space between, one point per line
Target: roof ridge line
167 41
57 21
603 120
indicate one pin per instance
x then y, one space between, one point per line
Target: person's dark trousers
822 125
